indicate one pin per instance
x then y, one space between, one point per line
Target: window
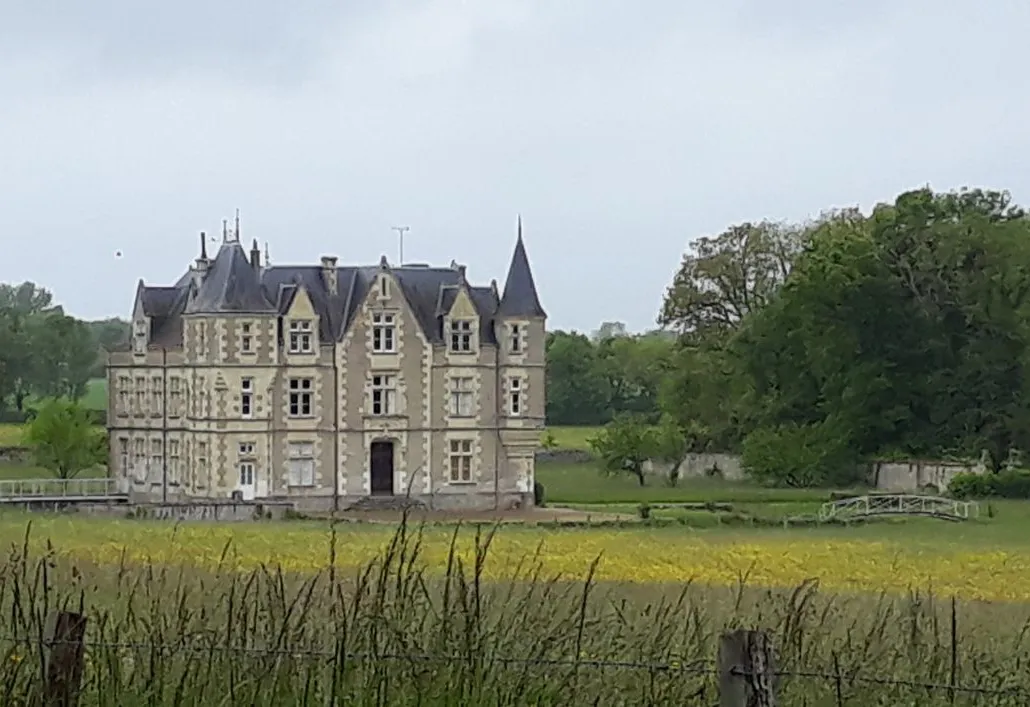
384 338
461 336
141 395
246 473
139 459
174 396
301 463
383 395
515 342
384 287
461 397
247 397
173 461
202 339
156 461
156 393
300 336
139 337
246 338
515 397
124 384
123 454
201 471
300 397
461 461
246 449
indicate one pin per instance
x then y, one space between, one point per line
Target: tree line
45 352
808 348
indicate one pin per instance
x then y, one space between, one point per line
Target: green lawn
584 483
570 437
96 395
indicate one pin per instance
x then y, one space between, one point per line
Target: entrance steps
386 503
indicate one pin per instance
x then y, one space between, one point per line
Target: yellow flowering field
770 559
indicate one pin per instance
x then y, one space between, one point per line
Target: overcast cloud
619 130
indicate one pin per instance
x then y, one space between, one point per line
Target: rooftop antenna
401 230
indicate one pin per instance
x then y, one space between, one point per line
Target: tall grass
397 632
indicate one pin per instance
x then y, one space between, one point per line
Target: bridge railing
899 504
57 488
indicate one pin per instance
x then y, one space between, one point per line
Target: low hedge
1010 483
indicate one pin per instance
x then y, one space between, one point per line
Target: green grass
570 437
96 395
584 483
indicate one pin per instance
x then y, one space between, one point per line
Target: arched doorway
381 467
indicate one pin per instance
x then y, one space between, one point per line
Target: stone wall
918 475
905 475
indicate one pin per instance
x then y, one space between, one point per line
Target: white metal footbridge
898 505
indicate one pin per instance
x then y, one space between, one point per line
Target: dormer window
461 336
139 337
301 339
384 333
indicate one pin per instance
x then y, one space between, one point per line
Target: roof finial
267 261
237 225
520 227
203 245
225 230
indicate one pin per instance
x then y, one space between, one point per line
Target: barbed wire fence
744 672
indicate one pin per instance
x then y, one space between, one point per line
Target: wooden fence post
747 666
65 655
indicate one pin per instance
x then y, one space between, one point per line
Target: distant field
570 437
96 395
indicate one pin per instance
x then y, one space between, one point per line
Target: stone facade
324 385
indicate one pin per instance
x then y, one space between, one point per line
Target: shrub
800 456
644 510
538 494
1009 483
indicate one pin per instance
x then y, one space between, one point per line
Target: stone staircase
386 503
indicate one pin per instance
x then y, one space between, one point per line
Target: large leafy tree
64 439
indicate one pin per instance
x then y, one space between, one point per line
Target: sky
620 131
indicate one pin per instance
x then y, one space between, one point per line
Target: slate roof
232 285
520 298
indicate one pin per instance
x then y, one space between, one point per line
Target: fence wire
693 668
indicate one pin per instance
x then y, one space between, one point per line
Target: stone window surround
461 388
384 332
300 336
247 339
515 394
462 332
300 464
386 383
461 460
300 401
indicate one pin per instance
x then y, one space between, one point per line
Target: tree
634 367
624 445
722 279
64 439
577 392
905 331
65 354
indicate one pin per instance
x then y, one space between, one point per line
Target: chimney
329 274
201 263
255 255
461 273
